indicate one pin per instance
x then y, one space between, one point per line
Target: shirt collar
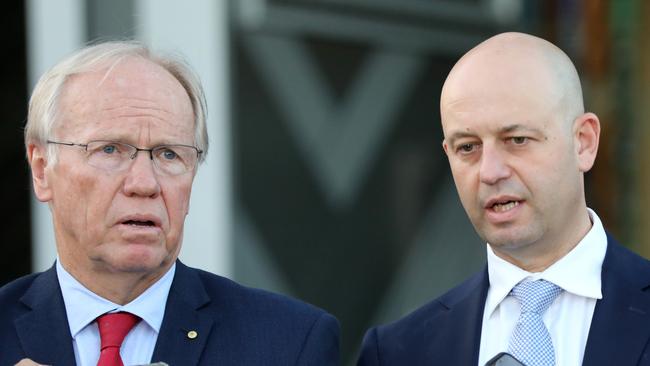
84 306
578 272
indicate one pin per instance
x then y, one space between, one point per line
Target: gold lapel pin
192 334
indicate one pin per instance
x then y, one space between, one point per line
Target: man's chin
510 240
139 261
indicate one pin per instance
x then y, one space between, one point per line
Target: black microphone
504 359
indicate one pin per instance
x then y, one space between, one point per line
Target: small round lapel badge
192 334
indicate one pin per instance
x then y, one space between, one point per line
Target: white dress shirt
568 319
83 306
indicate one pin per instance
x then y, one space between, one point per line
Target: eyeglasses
116 156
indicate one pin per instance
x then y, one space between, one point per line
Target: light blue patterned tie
530 342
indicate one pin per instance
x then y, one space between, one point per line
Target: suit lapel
185 330
464 320
43 331
620 327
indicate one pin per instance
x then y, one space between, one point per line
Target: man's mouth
139 223
504 206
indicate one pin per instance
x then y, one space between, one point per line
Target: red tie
112 330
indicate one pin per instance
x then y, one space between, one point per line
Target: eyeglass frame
137 149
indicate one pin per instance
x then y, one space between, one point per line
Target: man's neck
538 256
117 287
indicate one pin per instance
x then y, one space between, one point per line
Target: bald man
557 289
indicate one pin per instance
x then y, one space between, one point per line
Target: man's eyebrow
458 135
518 127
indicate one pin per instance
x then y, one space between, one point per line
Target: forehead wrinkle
139 112
131 101
138 107
148 131
125 101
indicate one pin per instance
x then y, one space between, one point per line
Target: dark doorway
15 235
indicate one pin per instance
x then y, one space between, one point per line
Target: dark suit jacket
235 325
447 331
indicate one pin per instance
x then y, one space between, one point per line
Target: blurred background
326 179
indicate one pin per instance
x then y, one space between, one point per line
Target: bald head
515 67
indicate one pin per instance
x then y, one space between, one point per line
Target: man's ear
37 159
445 146
586 134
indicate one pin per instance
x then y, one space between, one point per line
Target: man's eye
519 140
169 154
109 149
466 148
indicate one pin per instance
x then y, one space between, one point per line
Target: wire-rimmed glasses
115 156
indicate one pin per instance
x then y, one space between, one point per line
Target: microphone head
504 359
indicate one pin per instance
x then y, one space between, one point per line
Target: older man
114 137
557 289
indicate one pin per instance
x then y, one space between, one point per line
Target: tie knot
535 296
114 327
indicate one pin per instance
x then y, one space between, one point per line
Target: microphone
504 359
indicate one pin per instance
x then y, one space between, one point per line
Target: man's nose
142 179
494 165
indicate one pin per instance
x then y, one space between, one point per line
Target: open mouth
504 206
139 223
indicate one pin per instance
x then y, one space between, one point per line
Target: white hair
43 104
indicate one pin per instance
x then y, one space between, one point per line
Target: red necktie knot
113 328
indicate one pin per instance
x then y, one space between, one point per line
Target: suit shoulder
15 289
631 266
10 299
256 300
408 340
422 318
